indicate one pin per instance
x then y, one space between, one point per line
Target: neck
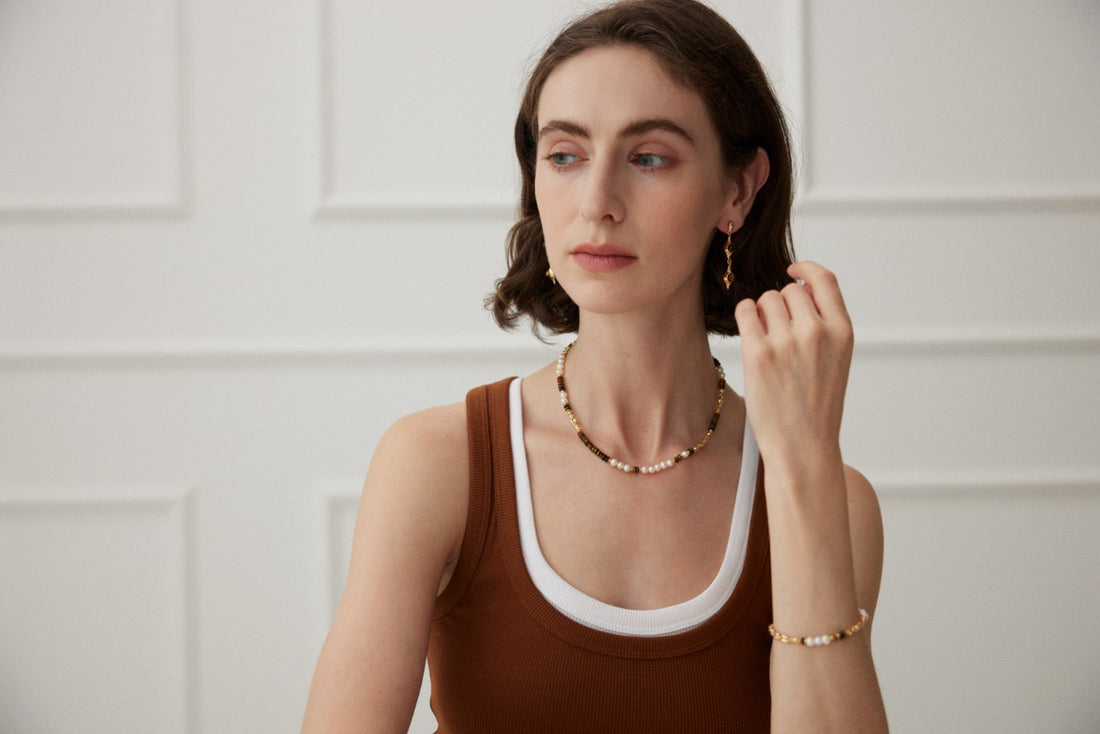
642 393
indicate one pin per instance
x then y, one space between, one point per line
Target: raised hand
797 349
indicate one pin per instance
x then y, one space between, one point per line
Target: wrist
800 449
804 476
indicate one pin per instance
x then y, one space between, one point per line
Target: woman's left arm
823 516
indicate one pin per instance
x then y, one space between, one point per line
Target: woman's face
629 183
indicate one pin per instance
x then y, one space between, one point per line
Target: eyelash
636 158
554 160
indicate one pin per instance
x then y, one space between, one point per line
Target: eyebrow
640 127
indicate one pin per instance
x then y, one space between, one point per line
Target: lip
602 258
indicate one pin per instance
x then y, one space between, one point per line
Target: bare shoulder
865 523
422 466
427 440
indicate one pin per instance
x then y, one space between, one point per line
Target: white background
238 239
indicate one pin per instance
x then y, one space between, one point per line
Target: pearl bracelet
821 639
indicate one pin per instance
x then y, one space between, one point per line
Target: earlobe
729 226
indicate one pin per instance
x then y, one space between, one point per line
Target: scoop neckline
572 614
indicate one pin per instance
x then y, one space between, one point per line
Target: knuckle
842 336
792 287
744 307
768 297
815 334
764 357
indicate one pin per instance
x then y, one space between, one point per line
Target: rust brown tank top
503 659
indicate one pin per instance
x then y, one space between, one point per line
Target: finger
800 303
773 312
823 288
749 325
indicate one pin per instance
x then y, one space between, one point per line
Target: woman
602 545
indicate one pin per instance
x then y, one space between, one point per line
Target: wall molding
96 212
963 482
174 204
814 197
909 342
175 499
406 209
329 500
337 501
178 503
334 205
988 484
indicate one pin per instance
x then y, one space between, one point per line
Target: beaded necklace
622 465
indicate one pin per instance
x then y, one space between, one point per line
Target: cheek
690 216
549 207
549 199
542 197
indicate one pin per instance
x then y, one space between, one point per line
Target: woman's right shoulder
418 484
445 423
428 446
435 440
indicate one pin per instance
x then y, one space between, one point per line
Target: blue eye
561 160
650 160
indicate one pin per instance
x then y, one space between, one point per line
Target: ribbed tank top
503 659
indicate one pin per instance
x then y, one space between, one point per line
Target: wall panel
949 107
91 106
1006 413
999 274
981 602
411 122
96 617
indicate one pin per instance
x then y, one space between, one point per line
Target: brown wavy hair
704 53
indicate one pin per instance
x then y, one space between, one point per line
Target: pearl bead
615 463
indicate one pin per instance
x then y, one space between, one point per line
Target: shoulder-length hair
703 52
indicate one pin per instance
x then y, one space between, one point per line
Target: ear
743 190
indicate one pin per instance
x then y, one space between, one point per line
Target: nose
602 195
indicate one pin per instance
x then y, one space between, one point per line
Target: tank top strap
486 415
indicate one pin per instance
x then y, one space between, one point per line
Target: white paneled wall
237 240
101 577
92 118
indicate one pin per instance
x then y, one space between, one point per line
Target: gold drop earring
550 275
729 277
